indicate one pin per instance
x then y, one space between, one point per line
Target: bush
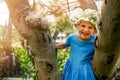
62 56
26 62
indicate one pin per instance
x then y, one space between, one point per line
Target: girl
78 65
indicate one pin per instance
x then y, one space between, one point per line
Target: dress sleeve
93 38
67 42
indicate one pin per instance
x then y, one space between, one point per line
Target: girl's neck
79 37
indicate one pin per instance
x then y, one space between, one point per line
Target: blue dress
78 65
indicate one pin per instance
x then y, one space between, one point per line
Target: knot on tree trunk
36 22
45 64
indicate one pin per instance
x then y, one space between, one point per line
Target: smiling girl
78 65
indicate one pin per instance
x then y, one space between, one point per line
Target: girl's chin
85 38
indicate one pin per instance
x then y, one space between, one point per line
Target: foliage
2 31
26 63
62 56
64 24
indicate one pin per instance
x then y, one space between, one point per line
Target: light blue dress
78 65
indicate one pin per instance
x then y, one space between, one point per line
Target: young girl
78 65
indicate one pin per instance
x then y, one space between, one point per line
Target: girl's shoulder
93 38
72 35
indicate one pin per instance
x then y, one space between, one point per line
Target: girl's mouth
84 33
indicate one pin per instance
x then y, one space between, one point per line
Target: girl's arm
61 46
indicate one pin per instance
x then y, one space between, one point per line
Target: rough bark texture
35 30
106 61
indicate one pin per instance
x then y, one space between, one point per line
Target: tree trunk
35 30
106 61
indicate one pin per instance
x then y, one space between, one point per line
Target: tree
106 63
35 30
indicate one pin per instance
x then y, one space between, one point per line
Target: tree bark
35 30
107 55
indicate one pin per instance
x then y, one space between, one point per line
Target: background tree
6 48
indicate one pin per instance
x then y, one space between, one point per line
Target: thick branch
107 53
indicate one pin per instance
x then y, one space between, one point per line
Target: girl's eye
90 27
83 26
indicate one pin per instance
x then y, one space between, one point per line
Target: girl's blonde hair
78 22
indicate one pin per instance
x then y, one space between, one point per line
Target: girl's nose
86 29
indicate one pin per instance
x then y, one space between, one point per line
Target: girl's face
85 30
